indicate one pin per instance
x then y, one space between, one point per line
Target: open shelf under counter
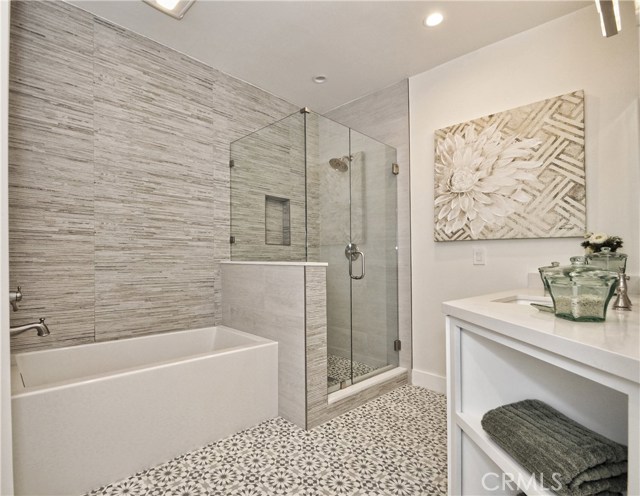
500 351
483 444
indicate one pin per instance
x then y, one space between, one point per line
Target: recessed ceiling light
320 79
433 19
174 8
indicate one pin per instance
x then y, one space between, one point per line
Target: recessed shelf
277 221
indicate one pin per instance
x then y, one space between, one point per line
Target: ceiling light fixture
609 11
433 19
320 79
174 8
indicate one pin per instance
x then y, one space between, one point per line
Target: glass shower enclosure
307 188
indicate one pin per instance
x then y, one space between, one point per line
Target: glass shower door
328 232
374 268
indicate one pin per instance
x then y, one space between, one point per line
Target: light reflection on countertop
612 346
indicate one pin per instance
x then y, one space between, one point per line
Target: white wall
558 57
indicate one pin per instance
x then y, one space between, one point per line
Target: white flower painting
516 174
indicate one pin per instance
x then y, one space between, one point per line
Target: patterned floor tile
394 445
339 369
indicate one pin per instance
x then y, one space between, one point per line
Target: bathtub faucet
14 298
40 327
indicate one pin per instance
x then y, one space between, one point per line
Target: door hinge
231 163
232 239
397 345
395 168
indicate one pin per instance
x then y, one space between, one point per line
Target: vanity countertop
612 346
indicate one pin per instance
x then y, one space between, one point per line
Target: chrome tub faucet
40 327
14 298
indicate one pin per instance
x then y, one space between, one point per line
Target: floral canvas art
514 174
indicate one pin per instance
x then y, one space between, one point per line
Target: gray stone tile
130 225
51 221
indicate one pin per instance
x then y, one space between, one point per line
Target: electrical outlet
478 256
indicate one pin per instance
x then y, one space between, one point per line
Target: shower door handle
362 265
352 253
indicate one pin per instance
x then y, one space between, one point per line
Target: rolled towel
558 450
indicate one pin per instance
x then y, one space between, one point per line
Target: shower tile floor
339 369
393 445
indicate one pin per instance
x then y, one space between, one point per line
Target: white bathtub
88 415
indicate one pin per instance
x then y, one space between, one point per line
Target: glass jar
582 295
578 264
608 260
554 268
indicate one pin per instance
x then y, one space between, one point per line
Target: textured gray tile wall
51 171
119 178
154 206
238 109
269 162
385 116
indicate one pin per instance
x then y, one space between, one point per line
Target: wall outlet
478 256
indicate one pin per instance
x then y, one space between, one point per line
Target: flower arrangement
594 242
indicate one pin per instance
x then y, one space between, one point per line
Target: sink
525 300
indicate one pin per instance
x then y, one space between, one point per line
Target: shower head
340 164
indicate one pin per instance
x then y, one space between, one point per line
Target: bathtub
88 415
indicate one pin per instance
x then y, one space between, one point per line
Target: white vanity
500 350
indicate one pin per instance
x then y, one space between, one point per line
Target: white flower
598 238
479 178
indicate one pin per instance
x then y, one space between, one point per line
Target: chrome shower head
340 164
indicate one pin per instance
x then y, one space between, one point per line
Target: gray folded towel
546 442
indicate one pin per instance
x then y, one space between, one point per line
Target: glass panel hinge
397 345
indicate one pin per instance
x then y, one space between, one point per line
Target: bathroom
118 127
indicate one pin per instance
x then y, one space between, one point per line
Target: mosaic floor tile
339 369
395 445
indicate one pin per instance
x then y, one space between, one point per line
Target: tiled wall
119 177
269 162
288 303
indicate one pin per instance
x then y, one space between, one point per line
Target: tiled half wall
287 302
119 177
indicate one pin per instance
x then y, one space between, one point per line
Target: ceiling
360 46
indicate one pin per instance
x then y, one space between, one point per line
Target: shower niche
277 221
308 189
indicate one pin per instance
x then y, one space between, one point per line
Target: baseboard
428 380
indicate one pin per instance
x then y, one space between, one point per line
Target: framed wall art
513 174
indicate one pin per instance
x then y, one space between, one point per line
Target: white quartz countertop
307 264
612 346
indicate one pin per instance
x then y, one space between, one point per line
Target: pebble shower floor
393 445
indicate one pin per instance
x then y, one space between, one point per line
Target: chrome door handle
360 255
352 253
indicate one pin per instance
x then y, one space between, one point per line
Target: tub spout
41 328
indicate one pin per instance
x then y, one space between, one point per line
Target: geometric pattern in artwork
513 174
395 445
